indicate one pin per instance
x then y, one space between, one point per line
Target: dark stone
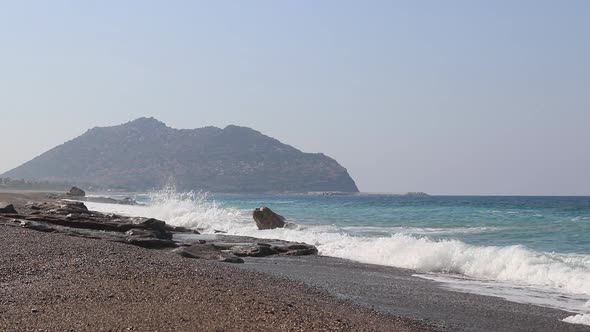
150 223
231 259
310 250
7 208
37 226
249 246
180 229
76 192
200 251
209 252
253 251
128 201
296 249
265 218
157 234
150 242
59 207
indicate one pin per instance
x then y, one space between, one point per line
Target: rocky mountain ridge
146 154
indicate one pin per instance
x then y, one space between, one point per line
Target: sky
446 97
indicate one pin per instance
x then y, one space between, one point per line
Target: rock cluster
74 218
230 248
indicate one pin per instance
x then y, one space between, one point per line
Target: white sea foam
420 230
583 319
545 297
513 264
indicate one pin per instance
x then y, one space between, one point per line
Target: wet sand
396 291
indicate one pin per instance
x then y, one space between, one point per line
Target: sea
525 249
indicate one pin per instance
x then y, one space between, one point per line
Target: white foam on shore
583 319
560 273
512 292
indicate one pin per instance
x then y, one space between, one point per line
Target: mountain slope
146 154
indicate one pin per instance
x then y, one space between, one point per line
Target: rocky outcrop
145 154
265 218
74 218
229 248
76 192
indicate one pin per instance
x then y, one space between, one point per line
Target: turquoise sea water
551 224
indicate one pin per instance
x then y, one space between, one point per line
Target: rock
265 218
76 215
76 192
150 223
157 234
7 208
180 229
128 201
301 250
231 259
150 242
209 252
42 227
200 251
253 251
59 207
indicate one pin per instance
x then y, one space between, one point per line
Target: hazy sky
447 97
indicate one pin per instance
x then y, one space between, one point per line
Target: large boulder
7 208
265 218
76 192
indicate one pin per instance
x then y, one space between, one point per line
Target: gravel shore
55 282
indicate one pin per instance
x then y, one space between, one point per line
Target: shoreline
399 292
58 280
385 298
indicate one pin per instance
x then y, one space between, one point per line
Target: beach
56 281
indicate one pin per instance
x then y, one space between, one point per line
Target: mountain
145 154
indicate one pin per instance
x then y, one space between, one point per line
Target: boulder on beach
265 218
76 192
7 208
